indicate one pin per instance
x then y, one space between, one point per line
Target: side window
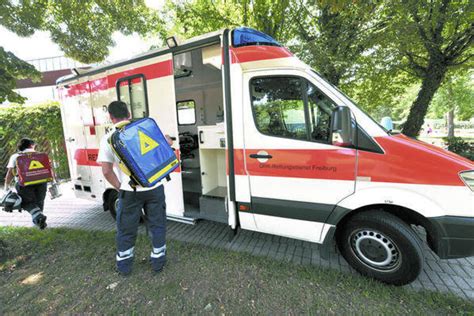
132 90
291 107
186 112
278 106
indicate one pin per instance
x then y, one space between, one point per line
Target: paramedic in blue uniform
32 196
131 203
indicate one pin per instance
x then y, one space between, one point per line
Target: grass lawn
72 271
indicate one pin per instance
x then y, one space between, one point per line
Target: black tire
381 246
112 204
112 200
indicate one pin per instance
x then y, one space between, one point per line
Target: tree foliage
40 122
373 50
456 94
334 39
82 29
195 17
431 40
12 69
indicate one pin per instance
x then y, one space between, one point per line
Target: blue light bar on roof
244 36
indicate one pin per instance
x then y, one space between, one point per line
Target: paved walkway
456 275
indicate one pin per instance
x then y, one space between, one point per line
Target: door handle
201 141
257 156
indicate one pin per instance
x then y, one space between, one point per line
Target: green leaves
192 18
456 94
82 29
12 69
41 123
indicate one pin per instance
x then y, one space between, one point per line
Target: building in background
51 68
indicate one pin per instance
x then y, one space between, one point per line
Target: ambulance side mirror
341 127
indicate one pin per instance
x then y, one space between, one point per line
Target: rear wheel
381 246
112 202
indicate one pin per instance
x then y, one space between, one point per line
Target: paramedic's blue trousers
128 218
32 198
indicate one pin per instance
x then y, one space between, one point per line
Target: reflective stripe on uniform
35 212
122 255
158 252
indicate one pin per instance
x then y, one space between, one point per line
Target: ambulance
266 144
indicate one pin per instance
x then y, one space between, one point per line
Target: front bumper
454 236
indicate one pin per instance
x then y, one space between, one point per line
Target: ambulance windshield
244 36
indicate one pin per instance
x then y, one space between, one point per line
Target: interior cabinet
212 159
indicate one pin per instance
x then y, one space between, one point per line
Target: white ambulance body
266 144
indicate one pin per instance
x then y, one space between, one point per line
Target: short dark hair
25 143
118 110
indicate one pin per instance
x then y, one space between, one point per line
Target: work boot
125 261
124 267
158 259
40 221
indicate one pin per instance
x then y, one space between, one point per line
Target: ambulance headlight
468 178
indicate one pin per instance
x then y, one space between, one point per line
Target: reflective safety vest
33 168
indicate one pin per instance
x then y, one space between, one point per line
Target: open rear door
161 100
77 115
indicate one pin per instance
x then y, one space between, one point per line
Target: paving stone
442 288
459 271
257 251
461 282
446 267
447 280
458 292
427 285
434 277
469 270
469 294
280 256
416 284
424 277
307 253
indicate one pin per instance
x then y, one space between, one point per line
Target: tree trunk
451 123
431 82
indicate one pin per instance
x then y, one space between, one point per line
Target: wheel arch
340 216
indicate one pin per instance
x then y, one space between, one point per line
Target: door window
186 112
291 107
132 90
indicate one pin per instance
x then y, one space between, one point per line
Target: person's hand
169 140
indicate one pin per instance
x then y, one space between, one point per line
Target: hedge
41 123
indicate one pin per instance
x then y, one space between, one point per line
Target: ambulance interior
200 111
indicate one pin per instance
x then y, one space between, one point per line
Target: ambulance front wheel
381 246
112 202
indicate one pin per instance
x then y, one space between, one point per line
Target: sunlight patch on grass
33 279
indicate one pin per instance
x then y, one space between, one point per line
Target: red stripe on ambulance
153 71
335 164
88 157
254 53
399 164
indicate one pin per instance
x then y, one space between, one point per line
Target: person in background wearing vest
131 203
32 196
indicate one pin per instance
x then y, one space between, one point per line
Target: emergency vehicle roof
186 45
